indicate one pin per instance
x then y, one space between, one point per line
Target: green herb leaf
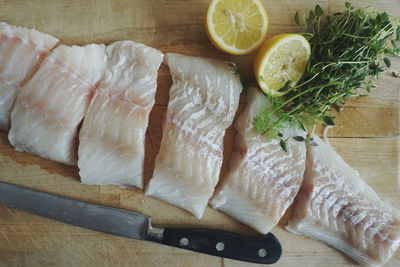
318 11
347 5
387 62
283 145
297 18
336 107
299 138
328 120
280 135
384 17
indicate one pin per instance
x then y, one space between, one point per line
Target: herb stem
303 93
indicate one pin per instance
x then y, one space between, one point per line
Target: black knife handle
264 249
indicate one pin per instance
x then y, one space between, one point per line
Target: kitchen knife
264 249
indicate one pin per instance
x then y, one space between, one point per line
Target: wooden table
366 135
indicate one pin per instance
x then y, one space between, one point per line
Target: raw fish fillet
51 105
111 141
336 206
203 101
21 52
263 179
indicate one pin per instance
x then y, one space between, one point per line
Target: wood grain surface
366 136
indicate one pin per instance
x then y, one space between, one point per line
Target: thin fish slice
51 105
203 101
263 179
111 149
21 52
336 206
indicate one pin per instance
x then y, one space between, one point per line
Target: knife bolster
155 233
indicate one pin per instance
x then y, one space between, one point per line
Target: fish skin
263 179
336 206
51 105
111 149
21 52
204 98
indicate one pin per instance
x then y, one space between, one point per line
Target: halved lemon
281 61
236 26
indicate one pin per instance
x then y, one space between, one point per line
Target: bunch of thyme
347 49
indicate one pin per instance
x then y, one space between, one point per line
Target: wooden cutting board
366 135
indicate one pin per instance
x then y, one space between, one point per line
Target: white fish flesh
336 206
52 104
263 179
111 140
21 52
203 100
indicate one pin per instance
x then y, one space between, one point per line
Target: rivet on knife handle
265 249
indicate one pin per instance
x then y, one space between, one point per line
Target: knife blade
264 249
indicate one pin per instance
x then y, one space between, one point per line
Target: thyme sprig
347 51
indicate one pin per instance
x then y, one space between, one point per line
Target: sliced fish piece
21 52
263 179
203 100
111 141
336 206
51 105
